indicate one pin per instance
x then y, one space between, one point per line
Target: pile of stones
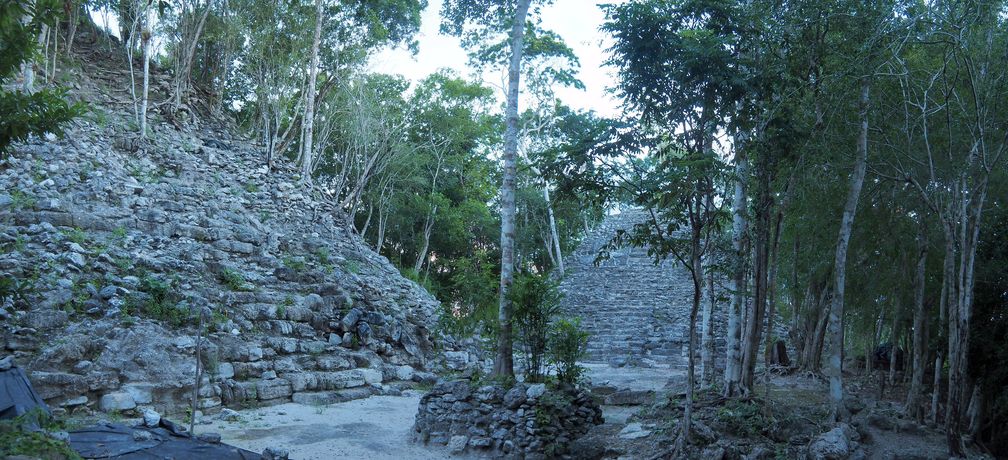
524 421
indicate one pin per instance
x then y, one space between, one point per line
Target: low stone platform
525 421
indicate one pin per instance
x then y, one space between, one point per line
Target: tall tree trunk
145 36
771 337
894 339
553 231
185 67
707 336
307 159
960 383
947 294
504 361
428 228
28 67
696 269
840 264
733 363
72 10
913 405
754 322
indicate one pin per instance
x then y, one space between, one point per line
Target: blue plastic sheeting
17 396
167 441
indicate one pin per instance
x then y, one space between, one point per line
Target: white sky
576 21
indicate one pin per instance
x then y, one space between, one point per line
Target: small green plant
98 116
251 187
536 301
567 345
743 418
296 264
19 244
265 216
219 318
352 266
552 405
124 264
119 234
322 255
16 289
76 235
234 280
159 299
39 173
22 200
20 437
281 311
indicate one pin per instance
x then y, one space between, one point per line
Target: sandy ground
379 427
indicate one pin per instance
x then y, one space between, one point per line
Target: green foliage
16 290
567 346
745 419
28 113
536 301
76 235
297 264
159 299
234 280
19 437
551 406
22 200
322 256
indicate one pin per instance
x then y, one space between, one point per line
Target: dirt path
379 427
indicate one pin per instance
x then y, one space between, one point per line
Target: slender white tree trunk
307 159
733 363
835 366
553 231
504 361
182 73
27 68
145 36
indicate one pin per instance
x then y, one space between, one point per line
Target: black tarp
17 396
167 441
116 441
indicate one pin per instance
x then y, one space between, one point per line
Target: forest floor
784 416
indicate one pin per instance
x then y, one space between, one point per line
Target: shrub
16 289
536 301
234 280
296 264
568 345
158 299
20 437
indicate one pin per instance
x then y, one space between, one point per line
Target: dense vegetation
839 164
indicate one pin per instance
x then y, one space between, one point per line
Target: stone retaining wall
526 421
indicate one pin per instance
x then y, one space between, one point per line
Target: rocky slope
112 246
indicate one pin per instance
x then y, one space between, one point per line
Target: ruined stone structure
117 244
636 312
